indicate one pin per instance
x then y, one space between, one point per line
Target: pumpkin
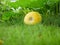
32 18
1 42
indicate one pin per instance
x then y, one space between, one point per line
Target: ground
21 34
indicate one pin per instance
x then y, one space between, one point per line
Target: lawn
21 34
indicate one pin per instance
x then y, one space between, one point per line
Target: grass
21 34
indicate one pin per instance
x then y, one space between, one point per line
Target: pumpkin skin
32 18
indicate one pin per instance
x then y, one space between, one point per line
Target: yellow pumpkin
32 18
1 42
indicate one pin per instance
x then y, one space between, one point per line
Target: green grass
30 35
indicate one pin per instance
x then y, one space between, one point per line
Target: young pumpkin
32 18
1 42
